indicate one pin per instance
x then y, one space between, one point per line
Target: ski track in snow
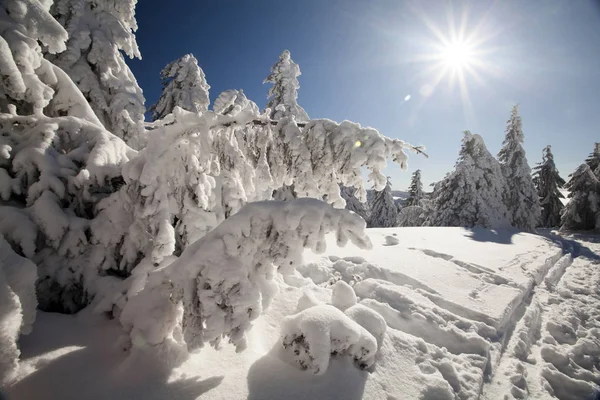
480 324
547 345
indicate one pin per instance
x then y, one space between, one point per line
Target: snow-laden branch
225 280
199 169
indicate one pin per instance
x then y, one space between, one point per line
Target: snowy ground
470 314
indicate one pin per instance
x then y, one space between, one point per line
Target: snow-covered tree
103 222
548 182
352 203
56 162
593 160
521 196
99 31
384 212
415 191
184 85
283 95
224 281
582 212
471 195
412 215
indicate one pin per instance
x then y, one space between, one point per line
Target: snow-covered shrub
184 85
521 197
316 333
223 281
343 295
472 195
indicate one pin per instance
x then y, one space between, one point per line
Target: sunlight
457 55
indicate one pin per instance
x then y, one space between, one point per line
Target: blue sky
361 59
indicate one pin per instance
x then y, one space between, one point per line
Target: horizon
379 65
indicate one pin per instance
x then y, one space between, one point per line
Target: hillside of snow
468 314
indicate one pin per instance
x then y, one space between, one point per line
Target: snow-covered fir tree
352 203
384 212
582 212
472 194
593 160
99 33
521 196
56 162
283 95
184 85
548 182
415 190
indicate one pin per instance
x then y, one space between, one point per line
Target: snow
530 330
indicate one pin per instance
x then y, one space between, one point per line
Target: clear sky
422 71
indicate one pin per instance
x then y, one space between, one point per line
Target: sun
457 55
454 56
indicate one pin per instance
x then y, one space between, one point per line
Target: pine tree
415 190
521 197
582 212
348 193
593 160
283 95
184 85
99 31
548 182
471 195
384 213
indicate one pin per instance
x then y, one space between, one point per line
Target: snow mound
343 295
316 333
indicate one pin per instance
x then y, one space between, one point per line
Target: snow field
381 324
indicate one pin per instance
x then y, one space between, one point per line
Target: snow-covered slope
464 309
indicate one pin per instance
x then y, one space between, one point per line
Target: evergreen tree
582 210
384 212
184 85
348 193
593 160
521 197
471 195
548 182
415 190
99 31
283 95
